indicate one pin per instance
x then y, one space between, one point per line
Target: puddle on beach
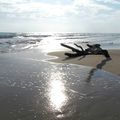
31 90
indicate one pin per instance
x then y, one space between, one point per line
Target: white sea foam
51 41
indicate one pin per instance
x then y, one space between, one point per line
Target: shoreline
96 61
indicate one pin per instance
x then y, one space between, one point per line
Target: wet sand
31 89
96 61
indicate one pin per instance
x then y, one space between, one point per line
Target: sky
91 16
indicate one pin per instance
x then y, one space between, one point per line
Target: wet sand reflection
98 66
33 91
57 94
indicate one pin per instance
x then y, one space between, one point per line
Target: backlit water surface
36 90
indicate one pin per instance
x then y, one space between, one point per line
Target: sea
32 88
15 42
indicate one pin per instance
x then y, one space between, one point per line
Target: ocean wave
7 35
20 35
14 42
17 41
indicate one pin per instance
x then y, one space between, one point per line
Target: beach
96 61
38 82
32 89
59 59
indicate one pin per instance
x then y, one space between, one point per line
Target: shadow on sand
92 71
98 66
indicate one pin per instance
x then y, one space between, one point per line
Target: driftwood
94 49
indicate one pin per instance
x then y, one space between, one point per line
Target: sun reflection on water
57 94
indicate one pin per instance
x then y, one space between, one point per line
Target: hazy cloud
41 9
83 12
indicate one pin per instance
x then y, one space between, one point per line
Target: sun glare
57 92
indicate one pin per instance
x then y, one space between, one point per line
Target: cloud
110 1
19 8
32 9
90 6
95 15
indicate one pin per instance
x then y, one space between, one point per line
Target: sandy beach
96 61
32 88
